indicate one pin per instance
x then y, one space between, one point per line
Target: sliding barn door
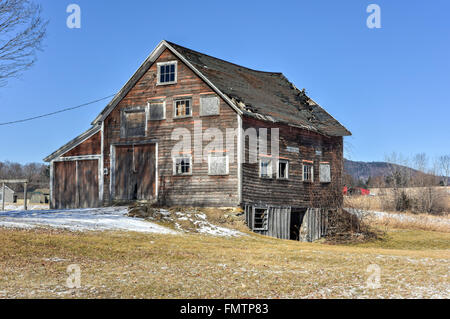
135 172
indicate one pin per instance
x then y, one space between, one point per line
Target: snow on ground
10 207
99 219
203 226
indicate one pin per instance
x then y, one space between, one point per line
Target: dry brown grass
403 220
413 221
33 264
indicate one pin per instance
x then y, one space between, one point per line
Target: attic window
167 72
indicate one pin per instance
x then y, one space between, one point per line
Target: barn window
182 166
265 168
260 219
133 122
283 169
183 108
308 173
167 72
209 105
325 173
218 165
157 110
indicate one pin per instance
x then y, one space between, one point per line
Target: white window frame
311 172
266 224
175 165
191 111
227 163
329 167
158 65
270 171
201 105
278 168
149 105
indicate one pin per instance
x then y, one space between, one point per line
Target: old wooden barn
128 153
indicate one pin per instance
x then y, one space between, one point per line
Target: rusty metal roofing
265 95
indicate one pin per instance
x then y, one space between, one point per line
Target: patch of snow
97 219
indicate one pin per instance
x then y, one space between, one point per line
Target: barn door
76 184
64 185
135 172
88 188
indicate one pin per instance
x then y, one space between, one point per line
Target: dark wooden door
76 184
64 185
88 186
135 172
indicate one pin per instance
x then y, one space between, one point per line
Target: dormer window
167 72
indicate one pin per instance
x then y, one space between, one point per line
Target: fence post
25 196
3 196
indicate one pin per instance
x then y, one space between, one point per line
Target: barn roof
268 95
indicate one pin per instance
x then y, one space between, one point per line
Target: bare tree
22 31
444 166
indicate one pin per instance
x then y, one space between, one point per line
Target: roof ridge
215 58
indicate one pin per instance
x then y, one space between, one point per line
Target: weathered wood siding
293 191
91 146
198 189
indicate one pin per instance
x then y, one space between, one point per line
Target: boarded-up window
265 168
218 165
325 173
260 219
133 122
157 111
182 166
209 105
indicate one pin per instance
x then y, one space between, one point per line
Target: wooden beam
13 181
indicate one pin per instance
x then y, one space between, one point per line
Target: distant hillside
362 170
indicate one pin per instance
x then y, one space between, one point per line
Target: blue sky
388 86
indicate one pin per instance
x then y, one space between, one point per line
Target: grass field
33 264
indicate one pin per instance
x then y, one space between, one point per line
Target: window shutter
157 111
209 105
218 165
325 173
